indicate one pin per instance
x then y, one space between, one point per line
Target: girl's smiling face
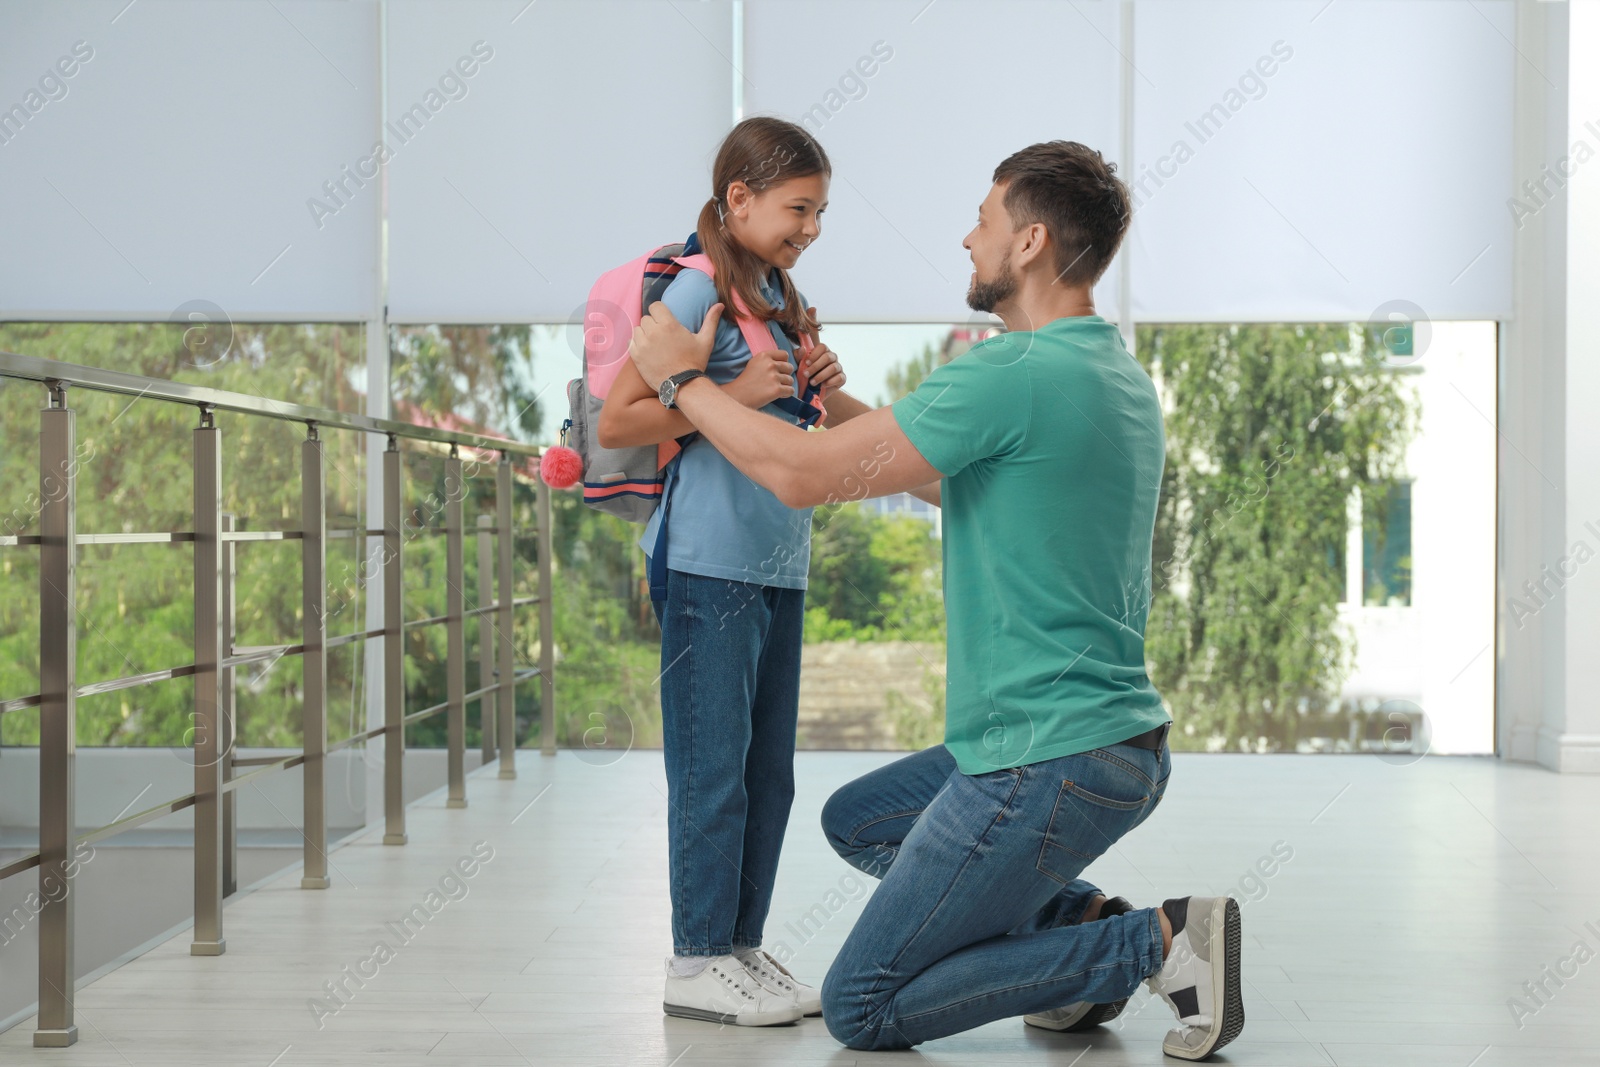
776 224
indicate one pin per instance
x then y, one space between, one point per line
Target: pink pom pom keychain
560 467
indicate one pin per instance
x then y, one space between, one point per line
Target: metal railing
216 658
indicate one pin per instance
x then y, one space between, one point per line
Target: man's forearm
769 451
870 456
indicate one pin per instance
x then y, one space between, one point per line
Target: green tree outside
1269 430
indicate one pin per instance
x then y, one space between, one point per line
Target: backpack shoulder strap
756 334
807 408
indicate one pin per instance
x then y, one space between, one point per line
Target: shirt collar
770 290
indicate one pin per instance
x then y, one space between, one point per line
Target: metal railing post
547 677
394 651
506 691
230 724
314 623
58 684
486 706
455 667
208 729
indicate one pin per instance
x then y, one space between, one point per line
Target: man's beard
986 296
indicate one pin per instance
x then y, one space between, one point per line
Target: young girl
732 620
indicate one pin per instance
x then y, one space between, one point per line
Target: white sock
743 952
687 966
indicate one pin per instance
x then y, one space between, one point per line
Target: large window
1321 578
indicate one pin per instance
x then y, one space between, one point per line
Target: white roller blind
955 87
1372 164
583 140
221 151
176 161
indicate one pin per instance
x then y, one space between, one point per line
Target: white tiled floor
1418 900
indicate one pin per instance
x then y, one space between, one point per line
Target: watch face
668 391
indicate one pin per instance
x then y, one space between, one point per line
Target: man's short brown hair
1076 194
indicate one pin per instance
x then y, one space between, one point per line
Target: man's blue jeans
976 917
730 697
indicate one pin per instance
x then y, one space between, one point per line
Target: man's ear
1029 243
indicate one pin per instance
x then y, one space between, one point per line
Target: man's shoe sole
705 1015
1092 1016
1099 1015
1229 1012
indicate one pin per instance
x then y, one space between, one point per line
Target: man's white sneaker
1082 1015
776 977
1200 978
727 993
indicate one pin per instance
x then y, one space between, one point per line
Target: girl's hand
823 368
764 379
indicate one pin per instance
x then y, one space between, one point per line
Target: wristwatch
670 386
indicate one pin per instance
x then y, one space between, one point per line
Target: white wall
1550 483
1574 741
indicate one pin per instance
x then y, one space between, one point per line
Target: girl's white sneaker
776 977
725 992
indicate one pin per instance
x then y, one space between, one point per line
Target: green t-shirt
1051 448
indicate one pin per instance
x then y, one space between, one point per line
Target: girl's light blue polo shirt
723 525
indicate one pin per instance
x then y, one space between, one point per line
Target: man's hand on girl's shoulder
662 347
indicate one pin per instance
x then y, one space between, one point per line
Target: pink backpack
627 482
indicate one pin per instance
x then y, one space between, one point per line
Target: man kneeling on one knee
1044 448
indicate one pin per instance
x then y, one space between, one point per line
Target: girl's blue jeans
730 692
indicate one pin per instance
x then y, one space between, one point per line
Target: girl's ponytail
761 152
